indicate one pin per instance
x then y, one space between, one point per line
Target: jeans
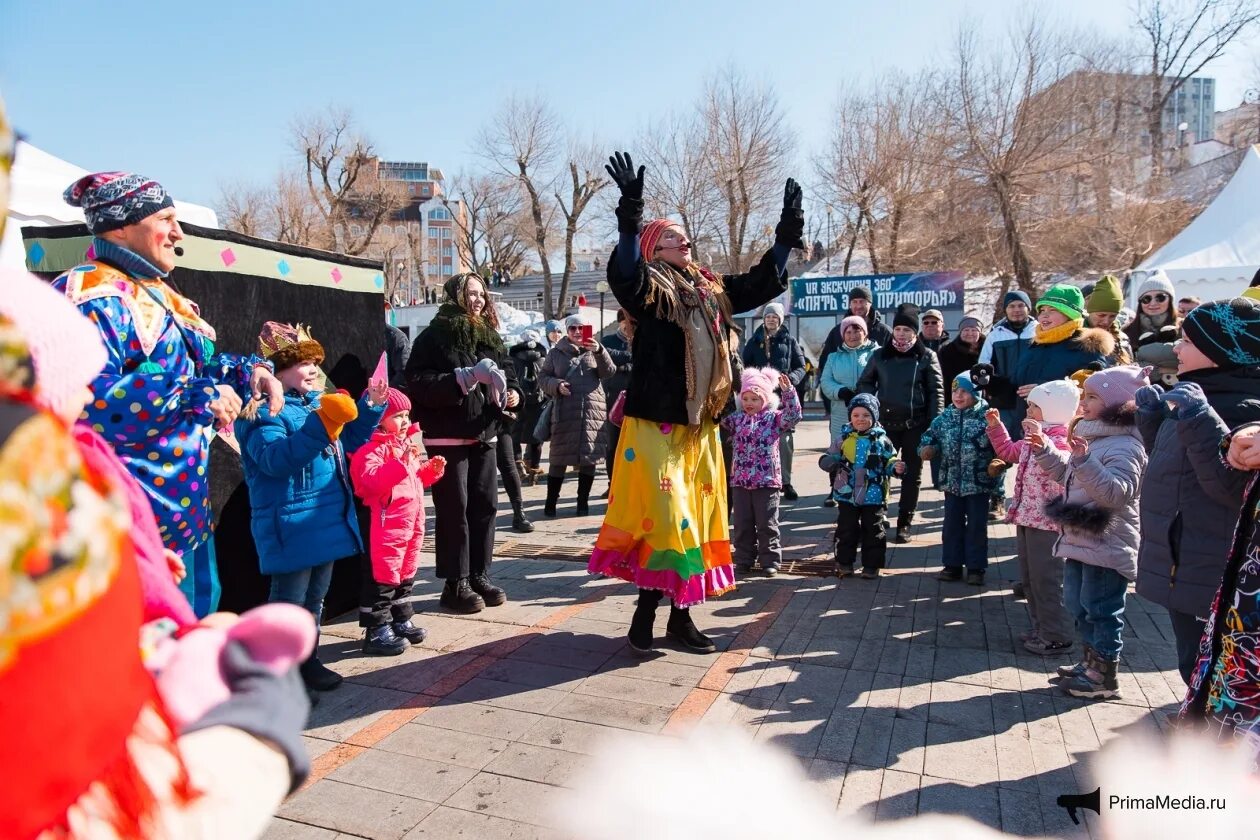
1188 631
1095 598
305 587
966 537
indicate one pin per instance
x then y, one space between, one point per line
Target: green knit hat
1066 298
1106 296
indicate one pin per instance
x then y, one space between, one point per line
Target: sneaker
1097 682
409 631
950 573
869 574
317 676
493 595
789 493
844 571
382 641
770 571
829 502
1043 648
975 578
459 597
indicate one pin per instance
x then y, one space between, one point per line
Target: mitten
1186 400
844 395
488 373
432 471
268 706
335 411
1149 398
927 453
466 377
996 467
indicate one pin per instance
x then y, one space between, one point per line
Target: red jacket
391 482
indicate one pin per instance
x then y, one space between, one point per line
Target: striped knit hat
112 200
650 235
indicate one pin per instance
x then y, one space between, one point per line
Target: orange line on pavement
416 705
700 698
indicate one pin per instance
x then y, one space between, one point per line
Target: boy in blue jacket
301 500
862 459
959 438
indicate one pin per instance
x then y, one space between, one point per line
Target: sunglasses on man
1157 297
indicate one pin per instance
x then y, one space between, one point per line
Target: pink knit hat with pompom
762 382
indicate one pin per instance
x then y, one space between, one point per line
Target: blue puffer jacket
839 380
1003 348
1040 363
862 463
301 500
963 449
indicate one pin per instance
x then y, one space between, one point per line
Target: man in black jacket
906 376
876 330
772 345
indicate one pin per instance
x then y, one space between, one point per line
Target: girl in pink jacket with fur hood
1051 407
390 474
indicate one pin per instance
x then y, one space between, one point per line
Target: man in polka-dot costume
164 390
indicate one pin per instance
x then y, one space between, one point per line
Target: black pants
1187 630
558 470
907 441
505 457
614 437
465 501
533 453
381 603
860 525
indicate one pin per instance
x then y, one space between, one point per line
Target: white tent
36 183
1217 254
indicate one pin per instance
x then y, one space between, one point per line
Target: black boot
640 634
317 676
383 641
519 523
683 630
584 494
483 586
409 631
554 483
459 597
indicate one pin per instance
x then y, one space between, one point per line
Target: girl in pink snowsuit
390 474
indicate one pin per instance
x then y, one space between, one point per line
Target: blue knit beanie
1015 295
867 401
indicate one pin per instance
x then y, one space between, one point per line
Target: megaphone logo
1072 801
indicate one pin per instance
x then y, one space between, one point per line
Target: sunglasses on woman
1158 297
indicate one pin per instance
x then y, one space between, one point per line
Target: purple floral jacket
755 440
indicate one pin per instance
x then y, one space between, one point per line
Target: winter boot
903 532
1096 682
409 631
1069 671
459 597
640 635
554 483
683 630
493 595
382 641
519 523
584 493
317 676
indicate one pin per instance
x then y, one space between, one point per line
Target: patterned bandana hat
111 200
1226 331
650 235
286 345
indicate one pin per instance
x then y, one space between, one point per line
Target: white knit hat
773 309
1057 400
1157 282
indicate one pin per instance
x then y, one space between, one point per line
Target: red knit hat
395 401
650 235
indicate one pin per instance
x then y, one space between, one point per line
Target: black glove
791 227
630 208
269 707
844 395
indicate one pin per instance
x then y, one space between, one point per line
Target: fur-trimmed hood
1095 340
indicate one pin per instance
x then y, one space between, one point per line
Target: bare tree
489 228
282 211
1183 37
340 174
678 182
522 141
585 178
747 147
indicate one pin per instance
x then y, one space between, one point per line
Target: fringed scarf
695 300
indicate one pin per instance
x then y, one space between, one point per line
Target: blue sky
197 95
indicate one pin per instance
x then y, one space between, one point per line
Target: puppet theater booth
239 282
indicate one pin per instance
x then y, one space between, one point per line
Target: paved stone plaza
900 696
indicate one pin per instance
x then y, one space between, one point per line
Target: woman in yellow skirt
665 529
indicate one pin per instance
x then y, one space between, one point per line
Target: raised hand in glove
1149 397
791 228
270 707
1186 400
335 411
630 208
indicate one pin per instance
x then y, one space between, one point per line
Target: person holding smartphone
572 375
